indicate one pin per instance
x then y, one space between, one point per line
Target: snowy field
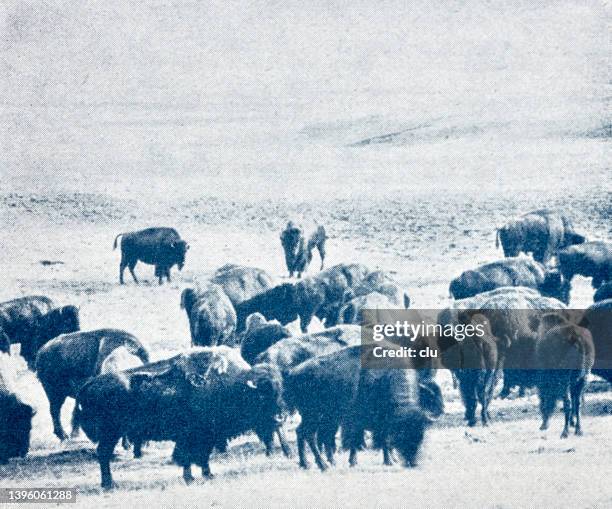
410 132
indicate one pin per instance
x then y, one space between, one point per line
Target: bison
277 303
259 336
333 389
15 420
212 318
65 363
241 283
514 314
542 233
598 320
298 247
591 259
565 355
474 362
198 400
32 321
162 247
511 272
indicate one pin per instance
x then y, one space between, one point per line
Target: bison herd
247 371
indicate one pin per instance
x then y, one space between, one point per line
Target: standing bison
475 363
64 364
198 400
15 420
542 233
334 390
299 246
591 259
212 318
511 272
260 335
565 355
162 247
32 321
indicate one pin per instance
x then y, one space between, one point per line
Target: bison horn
251 384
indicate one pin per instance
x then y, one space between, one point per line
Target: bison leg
167 272
131 267
353 457
387 459
283 442
301 447
567 412
122 267
576 392
187 475
75 422
205 464
137 448
468 394
322 255
55 407
105 451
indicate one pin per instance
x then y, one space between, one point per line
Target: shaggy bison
542 233
66 362
32 321
511 272
212 318
299 246
259 336
474 362
15 421
565 354
591 259
333 390
162 247
198 400
241 283
514 316
277 303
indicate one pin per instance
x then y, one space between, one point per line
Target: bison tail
115 242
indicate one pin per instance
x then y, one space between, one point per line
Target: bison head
264 400
15 427
556 286
188 297
573 238
180 248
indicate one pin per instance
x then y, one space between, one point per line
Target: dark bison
352 311
514 316
604 292
511 272
474 361
260 335
241 283
299 246
162 247
542 233
32 321
591 259
598 320
212 318
198 400
565 355
277 303
64 364
15 422
333 390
